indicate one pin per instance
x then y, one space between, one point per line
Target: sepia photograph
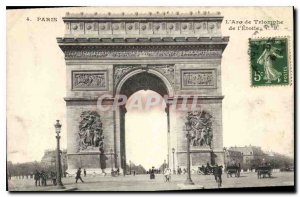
145 99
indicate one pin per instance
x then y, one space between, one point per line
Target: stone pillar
200 154
173 132
121 141
168 135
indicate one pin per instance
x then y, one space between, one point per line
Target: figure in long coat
37 178
103 159
152 173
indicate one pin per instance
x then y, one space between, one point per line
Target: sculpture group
90 130
201 123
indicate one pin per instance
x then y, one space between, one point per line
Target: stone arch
189 52
135 80
150 72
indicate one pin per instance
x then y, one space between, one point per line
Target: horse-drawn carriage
205 170
264 170
212 170
233 169
115 173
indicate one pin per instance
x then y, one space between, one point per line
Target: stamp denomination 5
269 59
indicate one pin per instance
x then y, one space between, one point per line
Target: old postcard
150 98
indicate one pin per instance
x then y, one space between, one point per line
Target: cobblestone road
143 183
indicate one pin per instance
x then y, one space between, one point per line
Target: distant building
49 159
233 157
250 154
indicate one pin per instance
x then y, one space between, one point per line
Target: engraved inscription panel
198 78
89 80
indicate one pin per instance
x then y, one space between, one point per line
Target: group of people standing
40 178
179 171
167 173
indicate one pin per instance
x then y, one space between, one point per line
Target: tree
139 169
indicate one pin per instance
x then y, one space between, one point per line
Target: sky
36 85
151 139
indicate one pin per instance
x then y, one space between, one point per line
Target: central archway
145 131
144 78
136 80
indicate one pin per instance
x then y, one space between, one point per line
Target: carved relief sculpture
89 80
201 123
142 52
121 70
166 70
198 78
90 131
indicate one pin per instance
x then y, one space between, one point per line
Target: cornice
156 25
142 40
70 99
164 15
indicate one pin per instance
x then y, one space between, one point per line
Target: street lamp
58 159
225 163
188 137
124 165
173 151
111 159
129 167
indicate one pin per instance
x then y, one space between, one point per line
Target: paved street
143 183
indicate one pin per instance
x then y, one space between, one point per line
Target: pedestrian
44 178
239 169
167 174
217 171
220 174
152 175
84 172
37 178
178 170
133 172
103 159
53 177
78 175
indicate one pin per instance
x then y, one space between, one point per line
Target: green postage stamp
269 58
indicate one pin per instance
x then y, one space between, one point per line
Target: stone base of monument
190 187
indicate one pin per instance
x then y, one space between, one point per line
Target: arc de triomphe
178 55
